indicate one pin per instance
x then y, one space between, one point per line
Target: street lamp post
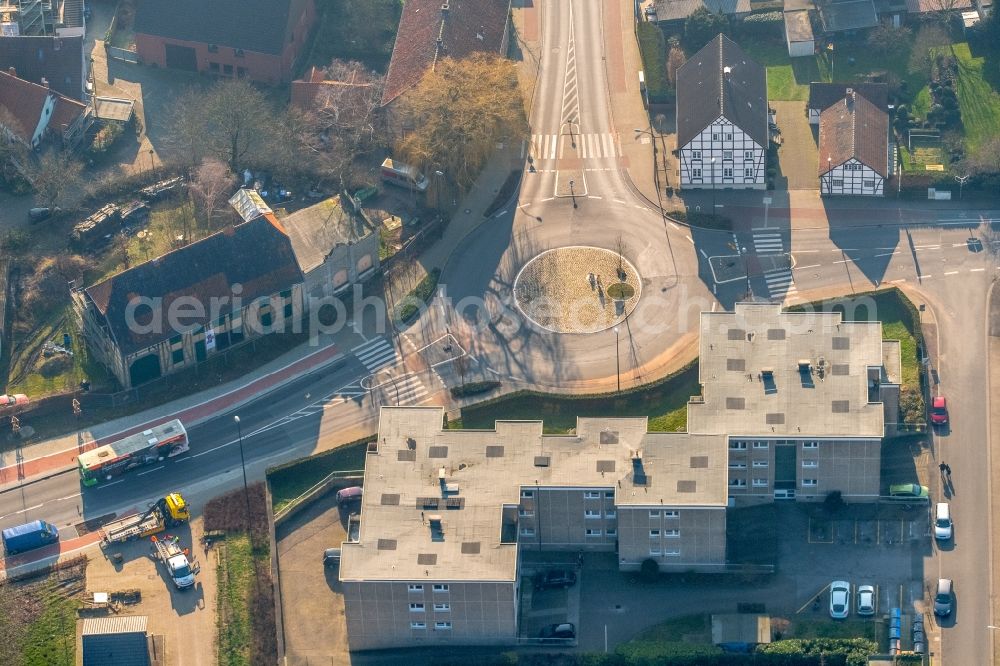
618 365
152 166
961 183
714 212
572 193
829 175
93 76
246 488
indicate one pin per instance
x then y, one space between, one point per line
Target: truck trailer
29 536
166 512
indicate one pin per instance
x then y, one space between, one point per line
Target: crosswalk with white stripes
587 146
766 242
404 389
376 354
780 283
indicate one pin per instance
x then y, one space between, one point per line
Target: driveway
798 153
312 605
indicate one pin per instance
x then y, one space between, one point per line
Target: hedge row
422 293
473 388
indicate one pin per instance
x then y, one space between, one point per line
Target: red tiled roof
305 90
26 100
925 6
854 128
428 32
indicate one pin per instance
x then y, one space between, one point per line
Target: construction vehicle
165 512
174 558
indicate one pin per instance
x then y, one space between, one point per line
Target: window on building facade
729 136
418 625
227 70
442 625
809 483
737 446
760 445
715 137
527 532
653 513
748 172
177 356
525 513
671 514
737 465
672 552
440 587
696 154
737 483
593 533
760 483
748 154
810 464
527 493
654 533
727 172
442 608
611 531
589 513
869 183
696 173
672 534
810 445
415 588
727 154
610 513
760 463
609 494
590 494
838 182
416 608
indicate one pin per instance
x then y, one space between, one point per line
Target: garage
144 369
181 57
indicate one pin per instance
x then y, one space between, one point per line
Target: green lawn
977 100
682 638
235 581
665 403
292 480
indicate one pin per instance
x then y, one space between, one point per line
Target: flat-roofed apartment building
445 513
804 397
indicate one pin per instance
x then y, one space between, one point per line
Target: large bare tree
211 184
55 176
231 121
343 122
458 113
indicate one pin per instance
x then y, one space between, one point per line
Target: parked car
351 494
42 213
866 600
554 578
943 598
562 630
909 491
840 599
13 400
942 521
939 410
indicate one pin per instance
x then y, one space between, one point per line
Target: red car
13 400
939 410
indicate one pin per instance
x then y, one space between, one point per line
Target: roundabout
577 289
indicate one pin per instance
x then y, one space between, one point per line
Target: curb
281 384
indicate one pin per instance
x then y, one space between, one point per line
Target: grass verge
686 637
653 49
292 479
410 305
978 102
663 402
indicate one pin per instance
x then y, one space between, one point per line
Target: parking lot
184 620
312 603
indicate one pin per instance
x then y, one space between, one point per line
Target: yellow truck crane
165 512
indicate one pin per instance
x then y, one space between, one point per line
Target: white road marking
594 196
30 508
802 268
113 483
703 252
925 277
68 497
951 272
976 270
888 254
842 261
150 471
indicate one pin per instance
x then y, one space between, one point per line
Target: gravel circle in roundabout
577 289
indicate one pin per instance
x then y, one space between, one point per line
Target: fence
118 53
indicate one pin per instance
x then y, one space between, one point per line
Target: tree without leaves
675 58
929 37
887 39
344 122
53 176
459 112
13 153
210 186
232 121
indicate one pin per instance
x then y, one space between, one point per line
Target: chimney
12 71
45 82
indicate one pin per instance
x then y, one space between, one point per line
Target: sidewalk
57 455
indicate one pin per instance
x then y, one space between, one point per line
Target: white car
942 522
840 599
866 600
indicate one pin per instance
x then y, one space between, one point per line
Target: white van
403 175
942 521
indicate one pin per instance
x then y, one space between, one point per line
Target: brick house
255 39
177 310
47 59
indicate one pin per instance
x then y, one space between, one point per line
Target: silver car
840 599
866 600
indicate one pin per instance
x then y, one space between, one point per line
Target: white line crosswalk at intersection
767 243
586 146
376 354
780 282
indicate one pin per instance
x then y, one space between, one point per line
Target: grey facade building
804 398
446 513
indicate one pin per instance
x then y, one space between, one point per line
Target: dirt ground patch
798 154
186 619
312 603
